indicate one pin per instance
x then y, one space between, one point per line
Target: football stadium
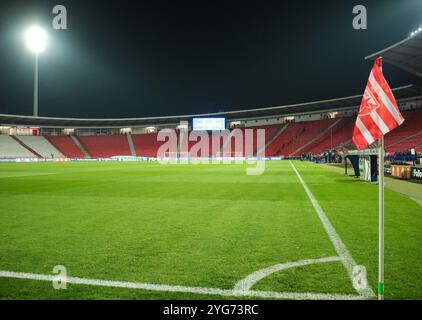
268 202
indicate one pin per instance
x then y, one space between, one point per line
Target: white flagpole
381 216
381 219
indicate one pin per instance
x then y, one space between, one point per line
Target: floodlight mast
36 41
35 112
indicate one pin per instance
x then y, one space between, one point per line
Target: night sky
148 58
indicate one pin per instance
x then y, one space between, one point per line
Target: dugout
368 159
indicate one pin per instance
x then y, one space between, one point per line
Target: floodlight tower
36 39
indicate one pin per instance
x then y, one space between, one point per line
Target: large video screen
209 124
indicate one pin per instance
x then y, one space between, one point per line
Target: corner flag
378 113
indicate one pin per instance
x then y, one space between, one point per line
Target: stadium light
36 40
415 32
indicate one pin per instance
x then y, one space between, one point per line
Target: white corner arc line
346 258
248 282
184 289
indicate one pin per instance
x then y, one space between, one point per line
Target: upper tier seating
10 148
66 146
106 146
41 146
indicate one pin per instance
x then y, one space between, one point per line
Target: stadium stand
289 140
36 154
105 146
131 146
146 145
41 146
283 144
408 135
270 131
337 137
66 146
320 130
80 146
10 148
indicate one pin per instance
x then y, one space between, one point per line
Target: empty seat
41 146
10 148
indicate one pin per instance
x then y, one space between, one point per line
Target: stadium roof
406 54
345 103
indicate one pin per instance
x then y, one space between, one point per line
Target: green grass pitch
196 225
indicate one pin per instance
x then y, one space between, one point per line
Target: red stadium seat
66 146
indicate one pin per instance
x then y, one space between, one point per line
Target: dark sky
143 58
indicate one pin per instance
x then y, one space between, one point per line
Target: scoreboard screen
209 124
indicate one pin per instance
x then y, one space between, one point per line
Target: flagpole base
380 291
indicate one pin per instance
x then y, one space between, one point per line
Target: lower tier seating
66 146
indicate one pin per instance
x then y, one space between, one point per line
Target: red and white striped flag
378 113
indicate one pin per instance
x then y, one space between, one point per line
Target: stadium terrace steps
131 146
41 146
319 137
66 146
270 131
226 142
309 133
181 143
284 140
80 146
339 137
272 139
105 146
10 148
34 153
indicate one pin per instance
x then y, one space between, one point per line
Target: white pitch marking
26 175
184 289
338 244
248 282
418 201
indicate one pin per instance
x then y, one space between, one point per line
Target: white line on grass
249 281
26 175
184 289
338 244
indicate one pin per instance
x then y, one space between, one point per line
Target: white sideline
184 289
338 244
248 282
